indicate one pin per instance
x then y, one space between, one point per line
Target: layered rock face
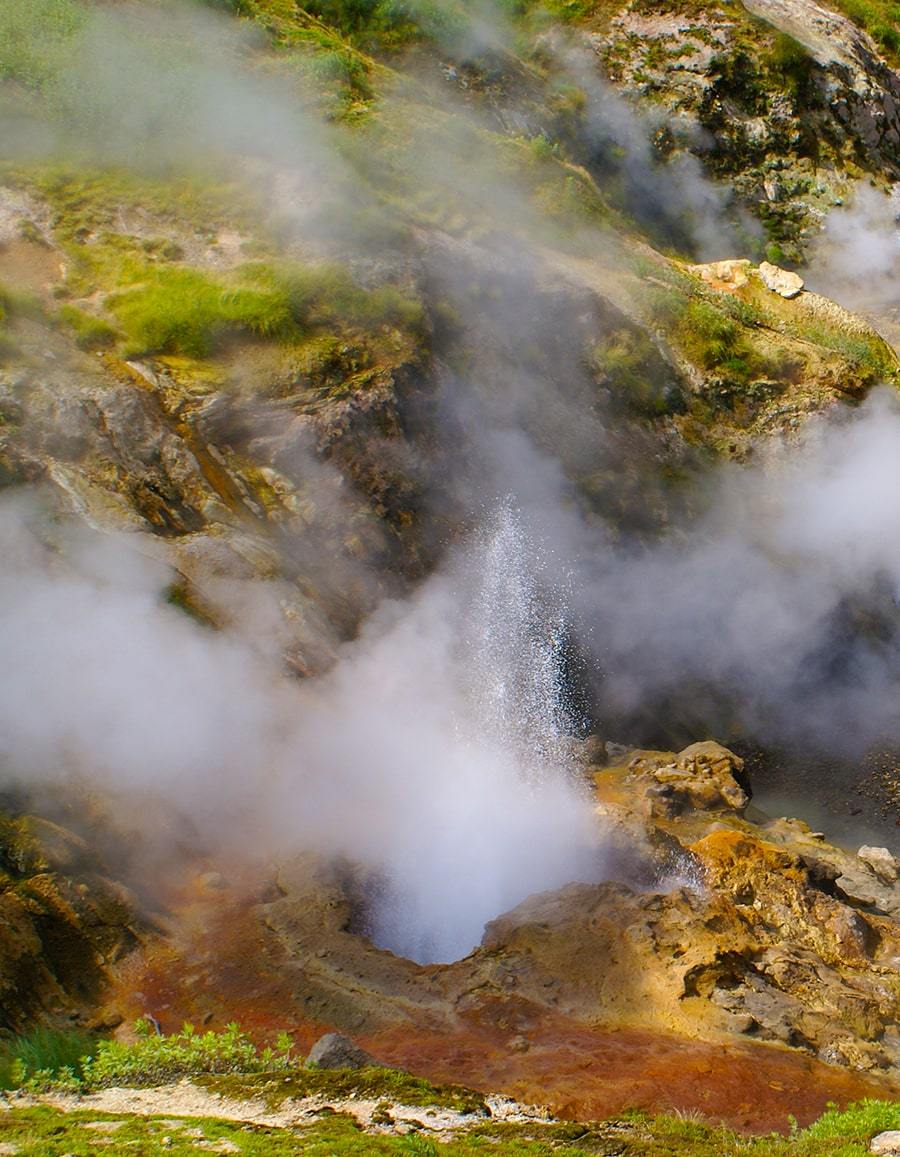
862 91
63 925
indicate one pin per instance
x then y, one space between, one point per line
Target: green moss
371 1083
45 1132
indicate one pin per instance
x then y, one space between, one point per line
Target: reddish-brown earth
220 963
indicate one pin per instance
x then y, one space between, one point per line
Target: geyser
466 727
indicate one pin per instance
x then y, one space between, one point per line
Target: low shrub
155 1060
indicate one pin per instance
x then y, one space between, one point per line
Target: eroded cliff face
789 102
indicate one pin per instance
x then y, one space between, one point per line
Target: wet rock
334 1051
61 926
780 281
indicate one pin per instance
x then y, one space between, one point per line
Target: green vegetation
45 1132
154 1060
178 310
228 1063
880 18
14 304
629 366
718 342
45 1050
49 1059
91 332
868 358
371 1083
34 39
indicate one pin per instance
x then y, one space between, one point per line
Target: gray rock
333 1051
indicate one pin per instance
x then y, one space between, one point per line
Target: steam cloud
784 597
435 752
857 255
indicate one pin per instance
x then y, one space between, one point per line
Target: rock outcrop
63 925
334 1051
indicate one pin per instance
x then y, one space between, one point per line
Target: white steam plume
856 258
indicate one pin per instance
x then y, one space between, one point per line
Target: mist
435 753
778 609
856 257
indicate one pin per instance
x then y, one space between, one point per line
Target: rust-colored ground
221 965
591 1074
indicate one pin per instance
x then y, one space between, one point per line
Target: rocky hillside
284 294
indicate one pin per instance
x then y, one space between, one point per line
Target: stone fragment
855 889
880 861
886 1143
780 281
726 276
703 776
334 1051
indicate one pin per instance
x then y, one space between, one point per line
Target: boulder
703 776
334 1051
780 281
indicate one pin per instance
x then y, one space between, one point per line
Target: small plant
858 1122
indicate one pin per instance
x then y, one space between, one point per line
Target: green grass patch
868 359
54 1052
369 1083
880 18
35 37
177 310
91 332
